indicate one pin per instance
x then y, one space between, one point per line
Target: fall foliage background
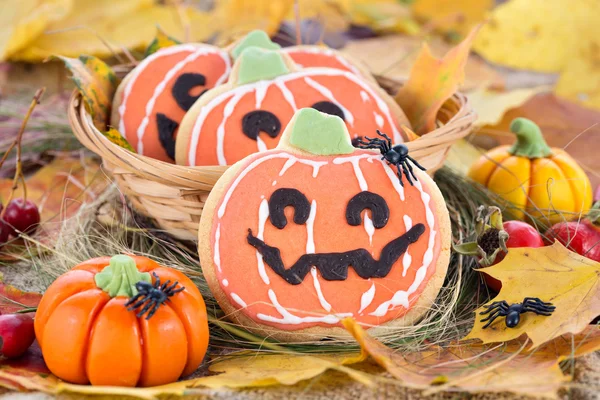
537 59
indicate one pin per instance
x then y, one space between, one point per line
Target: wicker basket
174 195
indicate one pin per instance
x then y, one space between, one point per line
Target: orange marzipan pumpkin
88 335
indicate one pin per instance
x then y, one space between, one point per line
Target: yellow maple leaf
490 105
24 20
431 82
105 28
161 40
479 368
580 79
96 82
450 15
554 274
541 35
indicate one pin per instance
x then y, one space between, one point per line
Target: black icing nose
260 121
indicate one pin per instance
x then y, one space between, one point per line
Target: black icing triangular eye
183 85
260 121
380 212
330 108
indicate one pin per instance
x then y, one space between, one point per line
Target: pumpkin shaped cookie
294 239
153 98
305 56
266 88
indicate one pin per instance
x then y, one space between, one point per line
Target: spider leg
422 168
387 138
496 313
406 173
497 304
165 285
137 304
410 168
399 175
174 292
147 307
535 300
538 310
133 299
491 319
152 311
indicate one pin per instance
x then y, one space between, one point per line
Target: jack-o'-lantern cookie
292 240
153 98
265 89
305 56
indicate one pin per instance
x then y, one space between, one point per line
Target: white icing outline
367 298
407 258
280 83
263 215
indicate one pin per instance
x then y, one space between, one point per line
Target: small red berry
22 215
16 334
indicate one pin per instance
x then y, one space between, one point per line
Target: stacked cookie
196 104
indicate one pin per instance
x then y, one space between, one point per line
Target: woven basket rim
204 177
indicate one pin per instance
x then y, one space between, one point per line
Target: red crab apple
22 215
16 334
583 236
495 238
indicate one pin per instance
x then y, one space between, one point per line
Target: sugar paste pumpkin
248 113
96 323
154 96
294 239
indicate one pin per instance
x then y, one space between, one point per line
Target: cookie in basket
248 113
153 98
293 240
305 56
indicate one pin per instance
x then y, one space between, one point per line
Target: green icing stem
120 276
256 38
530 141
258 64
320 134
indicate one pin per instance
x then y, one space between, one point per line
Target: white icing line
217 256
288 164
274 183
407 259
364 96
139 69
367 298
310 249
287 94
261 91
289 318
378 119
401 297
394 179
263 214
279 82
354 160
227 111
159 89
326 306
329 95
238 300
369 227
225 282
260 144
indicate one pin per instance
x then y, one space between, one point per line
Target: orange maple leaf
432 81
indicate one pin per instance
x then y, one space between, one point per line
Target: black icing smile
334 266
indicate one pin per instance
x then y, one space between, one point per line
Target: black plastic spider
150 296
514 311
394 155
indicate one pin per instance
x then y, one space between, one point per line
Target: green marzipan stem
120 276
530 141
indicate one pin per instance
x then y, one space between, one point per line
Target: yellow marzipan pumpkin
544 181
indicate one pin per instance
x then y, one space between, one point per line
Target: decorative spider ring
394 155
